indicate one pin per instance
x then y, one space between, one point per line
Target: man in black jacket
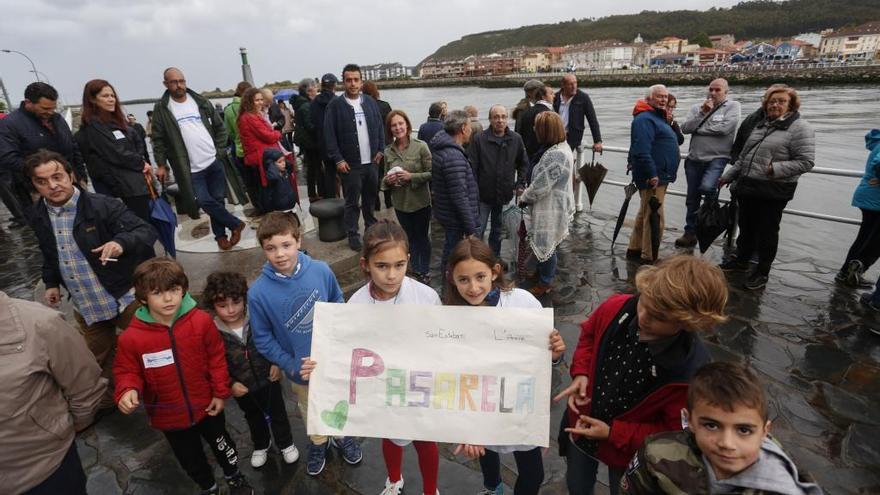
573 105
527 124
355 137
317 108
91 244
142 135
304 137
35 125
499 160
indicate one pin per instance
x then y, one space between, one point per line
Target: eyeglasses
175 82
778 101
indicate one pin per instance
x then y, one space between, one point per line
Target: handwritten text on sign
442 373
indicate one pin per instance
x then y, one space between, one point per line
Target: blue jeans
581 470
209 185
702 180
416 224
487 210
360 188
547 270
452 237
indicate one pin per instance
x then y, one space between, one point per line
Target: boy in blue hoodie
282 305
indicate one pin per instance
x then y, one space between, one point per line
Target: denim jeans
547 270
702 180
452 237
581 470
416 224
210 188
360 188
493 211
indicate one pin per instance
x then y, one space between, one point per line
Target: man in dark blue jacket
434 124
453 185
654 157
354 137
573 105
35 125
91 244
317 108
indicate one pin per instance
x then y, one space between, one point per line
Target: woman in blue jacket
866 248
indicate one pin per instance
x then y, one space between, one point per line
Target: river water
841 115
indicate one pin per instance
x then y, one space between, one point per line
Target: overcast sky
129 43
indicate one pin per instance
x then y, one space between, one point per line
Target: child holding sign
475 278
385 260
631 368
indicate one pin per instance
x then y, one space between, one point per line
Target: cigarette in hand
111 259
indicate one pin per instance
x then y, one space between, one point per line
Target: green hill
746 20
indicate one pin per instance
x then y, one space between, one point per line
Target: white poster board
477 375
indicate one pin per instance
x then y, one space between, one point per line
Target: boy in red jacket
631 368
172 356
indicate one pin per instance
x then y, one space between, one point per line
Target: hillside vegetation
760 19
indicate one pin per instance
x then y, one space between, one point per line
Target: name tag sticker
158 359
717 118
118 134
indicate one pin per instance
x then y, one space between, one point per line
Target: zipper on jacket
247 356
192 420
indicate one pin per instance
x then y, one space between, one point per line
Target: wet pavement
809 340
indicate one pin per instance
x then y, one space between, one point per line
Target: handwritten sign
443 373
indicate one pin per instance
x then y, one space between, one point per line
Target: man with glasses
499 160
189 134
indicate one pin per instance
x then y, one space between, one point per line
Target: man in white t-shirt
354 136
189 134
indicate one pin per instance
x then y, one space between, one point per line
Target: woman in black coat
112 149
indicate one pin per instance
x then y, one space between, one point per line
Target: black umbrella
628 191
163 219
592 174
712 221
654 220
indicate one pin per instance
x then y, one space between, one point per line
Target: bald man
712 125
574 105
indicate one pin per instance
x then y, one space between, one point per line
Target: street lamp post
4 50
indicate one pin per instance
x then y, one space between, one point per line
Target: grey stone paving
808 339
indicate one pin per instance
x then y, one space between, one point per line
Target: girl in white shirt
475 278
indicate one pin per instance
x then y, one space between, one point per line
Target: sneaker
238 485
351 451
393 488
290 454
756 281
688 240
734 265
499 490
355 243
317 459
258 458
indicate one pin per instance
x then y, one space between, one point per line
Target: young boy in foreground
726 447
282 305
171 357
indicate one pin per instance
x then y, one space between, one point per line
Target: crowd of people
638 361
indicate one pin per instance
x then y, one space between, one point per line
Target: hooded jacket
280 192
671 462
230 118
114 157
176 370
50 387
282 308
867 196
169 148
256 137
653 149
659 410
500 163
453 187
246 364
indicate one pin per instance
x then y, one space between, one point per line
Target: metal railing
838 172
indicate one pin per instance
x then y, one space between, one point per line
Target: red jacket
256 135
176 370
658 411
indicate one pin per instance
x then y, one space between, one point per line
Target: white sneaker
291 454
258 458
392 488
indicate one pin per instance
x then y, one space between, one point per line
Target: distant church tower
638 39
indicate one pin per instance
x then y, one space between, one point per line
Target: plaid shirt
90 298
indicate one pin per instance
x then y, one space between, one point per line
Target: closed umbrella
654 221
628 191
592 174
163 219
712 221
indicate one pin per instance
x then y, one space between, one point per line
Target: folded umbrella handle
152 191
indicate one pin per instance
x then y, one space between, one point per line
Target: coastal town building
669 44
722 41
605 55
857 43
393 70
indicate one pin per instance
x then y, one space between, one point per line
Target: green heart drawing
337 417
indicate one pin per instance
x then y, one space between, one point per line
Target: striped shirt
90 298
